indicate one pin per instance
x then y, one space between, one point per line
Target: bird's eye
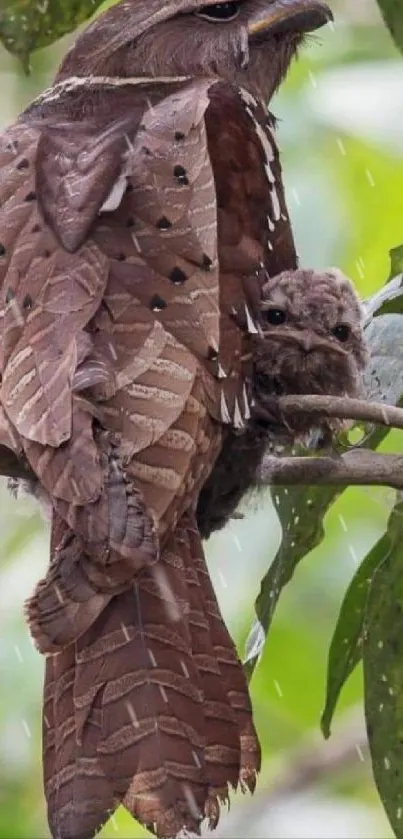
342 332
275 316
220 12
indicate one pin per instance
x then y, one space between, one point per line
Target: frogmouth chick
311 341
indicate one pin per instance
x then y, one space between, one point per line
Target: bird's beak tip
297 16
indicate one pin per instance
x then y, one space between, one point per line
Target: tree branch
358 467
342 407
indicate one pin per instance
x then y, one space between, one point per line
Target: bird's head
312 335
250 42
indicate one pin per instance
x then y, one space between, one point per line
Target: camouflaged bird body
126 355
137 329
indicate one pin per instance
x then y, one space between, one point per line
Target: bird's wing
84 345
255 240
131 167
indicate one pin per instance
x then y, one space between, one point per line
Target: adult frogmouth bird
141 212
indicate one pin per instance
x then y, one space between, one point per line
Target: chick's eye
275 316
219 12
342 332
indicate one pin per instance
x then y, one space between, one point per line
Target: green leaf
383 382
28 25
388 300
383 673
396 254
392 13
346 646
301 511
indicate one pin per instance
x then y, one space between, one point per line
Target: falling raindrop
166 593
359 752
353 553
192 803
185 669
152 657
26 728
132 714
237 543
125 631
296 197
163 693
222 579
341 146
196 759
18 653
370 177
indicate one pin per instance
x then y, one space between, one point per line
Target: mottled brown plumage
141 212
311 341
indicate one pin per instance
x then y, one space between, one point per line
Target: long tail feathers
79 798
150 707
138 657
230 668
222 744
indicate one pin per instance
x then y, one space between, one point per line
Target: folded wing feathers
145 701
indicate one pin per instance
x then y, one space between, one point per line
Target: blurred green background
341 133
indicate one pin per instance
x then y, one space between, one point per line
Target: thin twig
357 467
342 407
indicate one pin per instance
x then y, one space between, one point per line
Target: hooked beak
311 342
297 16
308 341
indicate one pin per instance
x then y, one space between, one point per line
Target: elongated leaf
388 300
383 673
393 17
28 25
301 511
346 646
396 254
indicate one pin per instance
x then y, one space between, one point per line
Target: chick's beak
310 342
297 16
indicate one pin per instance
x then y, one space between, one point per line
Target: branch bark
359 467
342 407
